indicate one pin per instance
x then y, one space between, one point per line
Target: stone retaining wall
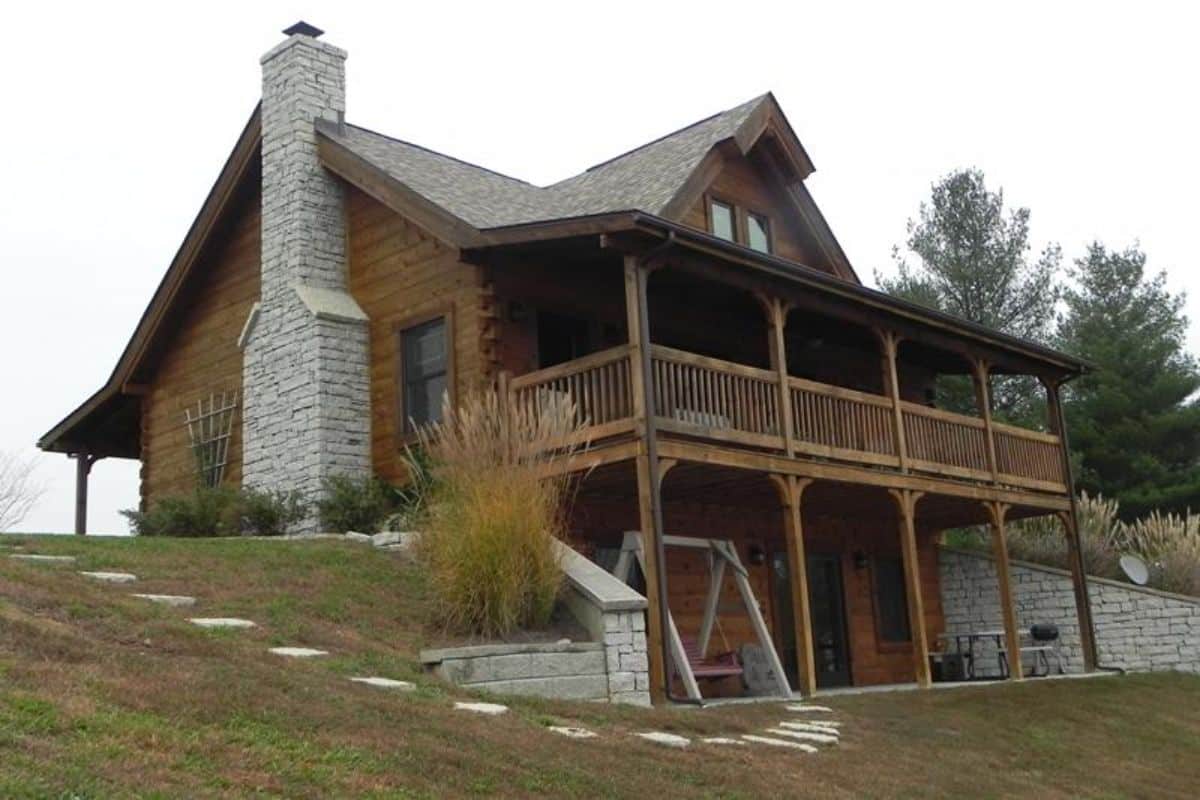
613 666
1137 628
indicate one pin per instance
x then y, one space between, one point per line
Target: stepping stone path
111 577
801 709
573 733
221 622
723 740
41 559
386 683
176 600
807 748
666 739
298 652
491 709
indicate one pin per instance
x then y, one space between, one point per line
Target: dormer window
736 224
721 220
758 232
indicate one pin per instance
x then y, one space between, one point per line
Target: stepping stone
176 600
298 652
807 748
820 723
667 739
799 709
810 728
386 683
221 622
723 740
491 709
804 736
41 559
573 733
111 577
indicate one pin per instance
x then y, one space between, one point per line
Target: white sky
120 116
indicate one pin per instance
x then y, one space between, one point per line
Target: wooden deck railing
713 399
598 384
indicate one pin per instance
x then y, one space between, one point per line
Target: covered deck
731 396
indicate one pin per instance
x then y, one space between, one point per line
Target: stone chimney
306 407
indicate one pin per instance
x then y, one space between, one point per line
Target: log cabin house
739 380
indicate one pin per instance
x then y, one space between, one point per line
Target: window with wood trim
758 232
721 220
891 600
736 224
425 372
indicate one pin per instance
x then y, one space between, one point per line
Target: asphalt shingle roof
644 179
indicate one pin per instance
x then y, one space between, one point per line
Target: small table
971 637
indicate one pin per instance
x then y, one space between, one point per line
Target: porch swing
690 658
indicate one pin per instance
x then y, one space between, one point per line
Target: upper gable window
758 232
720 220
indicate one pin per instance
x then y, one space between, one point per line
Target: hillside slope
103 695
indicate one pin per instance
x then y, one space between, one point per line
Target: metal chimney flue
302 28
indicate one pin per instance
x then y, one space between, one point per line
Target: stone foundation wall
1137 629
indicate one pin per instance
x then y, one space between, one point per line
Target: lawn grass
103 695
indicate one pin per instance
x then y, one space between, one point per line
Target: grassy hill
104 695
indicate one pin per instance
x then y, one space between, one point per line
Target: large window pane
424 357
721 219
758 233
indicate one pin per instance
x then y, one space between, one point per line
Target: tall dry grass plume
491 502
1169 543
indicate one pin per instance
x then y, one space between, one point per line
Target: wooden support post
1070 521
890 345
983 397
777 315
791 493
1012 635
83 468
906 503
648 477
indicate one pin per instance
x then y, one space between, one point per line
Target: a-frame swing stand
722 554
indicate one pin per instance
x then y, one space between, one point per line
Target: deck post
649 474
83 468
981 372
906 504
791 492
997 512
1070 521
777 313
890 345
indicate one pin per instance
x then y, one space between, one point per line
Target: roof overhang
93 426
945 328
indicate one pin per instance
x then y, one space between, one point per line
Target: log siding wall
399 273
202 356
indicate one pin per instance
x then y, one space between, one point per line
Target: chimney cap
302 28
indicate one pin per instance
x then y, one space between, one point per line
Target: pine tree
974 262
1134 421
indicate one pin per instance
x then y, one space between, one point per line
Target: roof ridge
440 154
665 136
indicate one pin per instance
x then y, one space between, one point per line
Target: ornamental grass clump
491 507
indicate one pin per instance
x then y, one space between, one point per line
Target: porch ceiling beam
765 462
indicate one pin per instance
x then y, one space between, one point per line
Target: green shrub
270 513
204 512
355 504
489 514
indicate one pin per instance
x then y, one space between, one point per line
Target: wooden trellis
210 426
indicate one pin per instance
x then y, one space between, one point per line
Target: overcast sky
118 118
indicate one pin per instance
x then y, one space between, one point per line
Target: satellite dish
1135 569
